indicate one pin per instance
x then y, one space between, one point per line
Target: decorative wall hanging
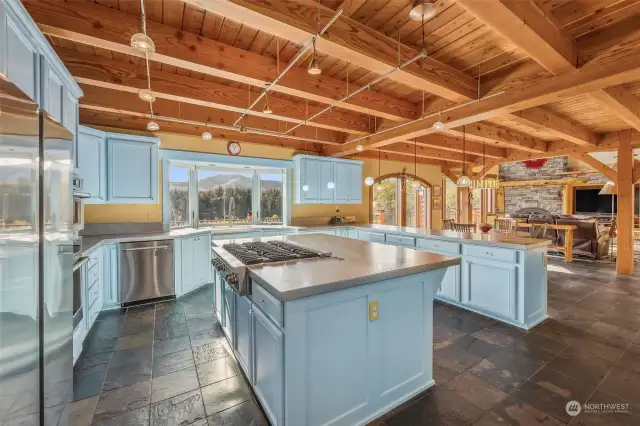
535 164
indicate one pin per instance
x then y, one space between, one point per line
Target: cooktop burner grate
270 251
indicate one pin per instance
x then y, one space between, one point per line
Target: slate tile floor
170 364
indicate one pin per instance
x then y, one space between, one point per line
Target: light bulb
147 95
331 185
207 136
153 126
305 188
369 181
142 43
438 125
463 181
359 148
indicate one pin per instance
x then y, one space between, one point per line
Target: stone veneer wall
545 197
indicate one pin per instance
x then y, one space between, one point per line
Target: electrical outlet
373 310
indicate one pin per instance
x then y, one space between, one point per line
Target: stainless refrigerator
36 256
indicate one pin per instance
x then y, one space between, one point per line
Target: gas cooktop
270 251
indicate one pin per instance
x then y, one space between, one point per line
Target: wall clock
233 148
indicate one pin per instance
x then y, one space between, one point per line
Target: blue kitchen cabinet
243 334
318 172
110 276
117 168
268 366
490 286
53 91
19 52
218 297
325 177
192 263
91 160
132 169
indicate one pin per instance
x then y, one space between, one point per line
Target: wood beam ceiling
423 152
370 167
347 40
556 125
120 103
450 143
501 136
609 172
94 25
603 74
127 77
621 102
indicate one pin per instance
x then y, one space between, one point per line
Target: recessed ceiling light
142 43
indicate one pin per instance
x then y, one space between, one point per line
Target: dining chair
463 227
447 224
537 231
508 225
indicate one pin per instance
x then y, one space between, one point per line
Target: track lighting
147 95
422 10
142 43
243 129
153 126
267 108
207 136
314 66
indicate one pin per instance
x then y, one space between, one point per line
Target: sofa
588 240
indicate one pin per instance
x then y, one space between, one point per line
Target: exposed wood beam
101 99
132 122
609 172
622 103
349 7
530 28
400 158
127 77
636 171
600 74
451 143
625 188
539 182
451 175
421 151
94 25
501 136
556 125
347 40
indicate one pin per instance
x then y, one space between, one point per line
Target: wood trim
403 195
543 182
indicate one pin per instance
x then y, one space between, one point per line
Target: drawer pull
261 302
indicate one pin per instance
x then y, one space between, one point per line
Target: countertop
354 263
92 242
497 239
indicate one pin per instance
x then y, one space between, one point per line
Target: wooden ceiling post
624 261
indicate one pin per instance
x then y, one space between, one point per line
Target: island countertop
518 240
353 263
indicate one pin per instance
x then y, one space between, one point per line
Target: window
271 198
179 179
451 200
401 200
208 195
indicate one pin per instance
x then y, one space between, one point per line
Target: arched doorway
400 199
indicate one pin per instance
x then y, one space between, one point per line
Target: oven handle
146 248
81 195
80 263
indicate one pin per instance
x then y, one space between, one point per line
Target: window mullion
255 199
194 205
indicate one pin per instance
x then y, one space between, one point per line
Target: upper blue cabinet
29 62
118 168
326 180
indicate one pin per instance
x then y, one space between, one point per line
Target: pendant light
422 10
142 43
314 66
267 108
359 148
463 180
305 187
153 126
369 180
206 135
147 95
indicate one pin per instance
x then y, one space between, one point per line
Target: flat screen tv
587 201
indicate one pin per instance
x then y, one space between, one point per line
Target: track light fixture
147 95
142 43
267 108
314 66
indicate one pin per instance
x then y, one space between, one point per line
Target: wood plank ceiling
208 66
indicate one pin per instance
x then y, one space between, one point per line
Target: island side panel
341 367
534 292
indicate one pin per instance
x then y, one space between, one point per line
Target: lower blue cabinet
490 286
243 338
218 300
228 312
268 366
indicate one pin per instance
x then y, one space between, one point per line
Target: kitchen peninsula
340 339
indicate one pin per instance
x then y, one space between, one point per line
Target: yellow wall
116 213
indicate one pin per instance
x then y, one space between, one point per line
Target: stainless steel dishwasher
146 270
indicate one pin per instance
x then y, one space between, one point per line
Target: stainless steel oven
78 202
79 274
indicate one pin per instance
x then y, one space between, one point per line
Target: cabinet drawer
235 235
438 246
374 237
493 253
267 303
93 261
93 275
401 241
92 295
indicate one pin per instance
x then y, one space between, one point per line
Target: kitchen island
336 340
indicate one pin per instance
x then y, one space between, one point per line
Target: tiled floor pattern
170 366
163 366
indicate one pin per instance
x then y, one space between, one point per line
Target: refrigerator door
19 251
